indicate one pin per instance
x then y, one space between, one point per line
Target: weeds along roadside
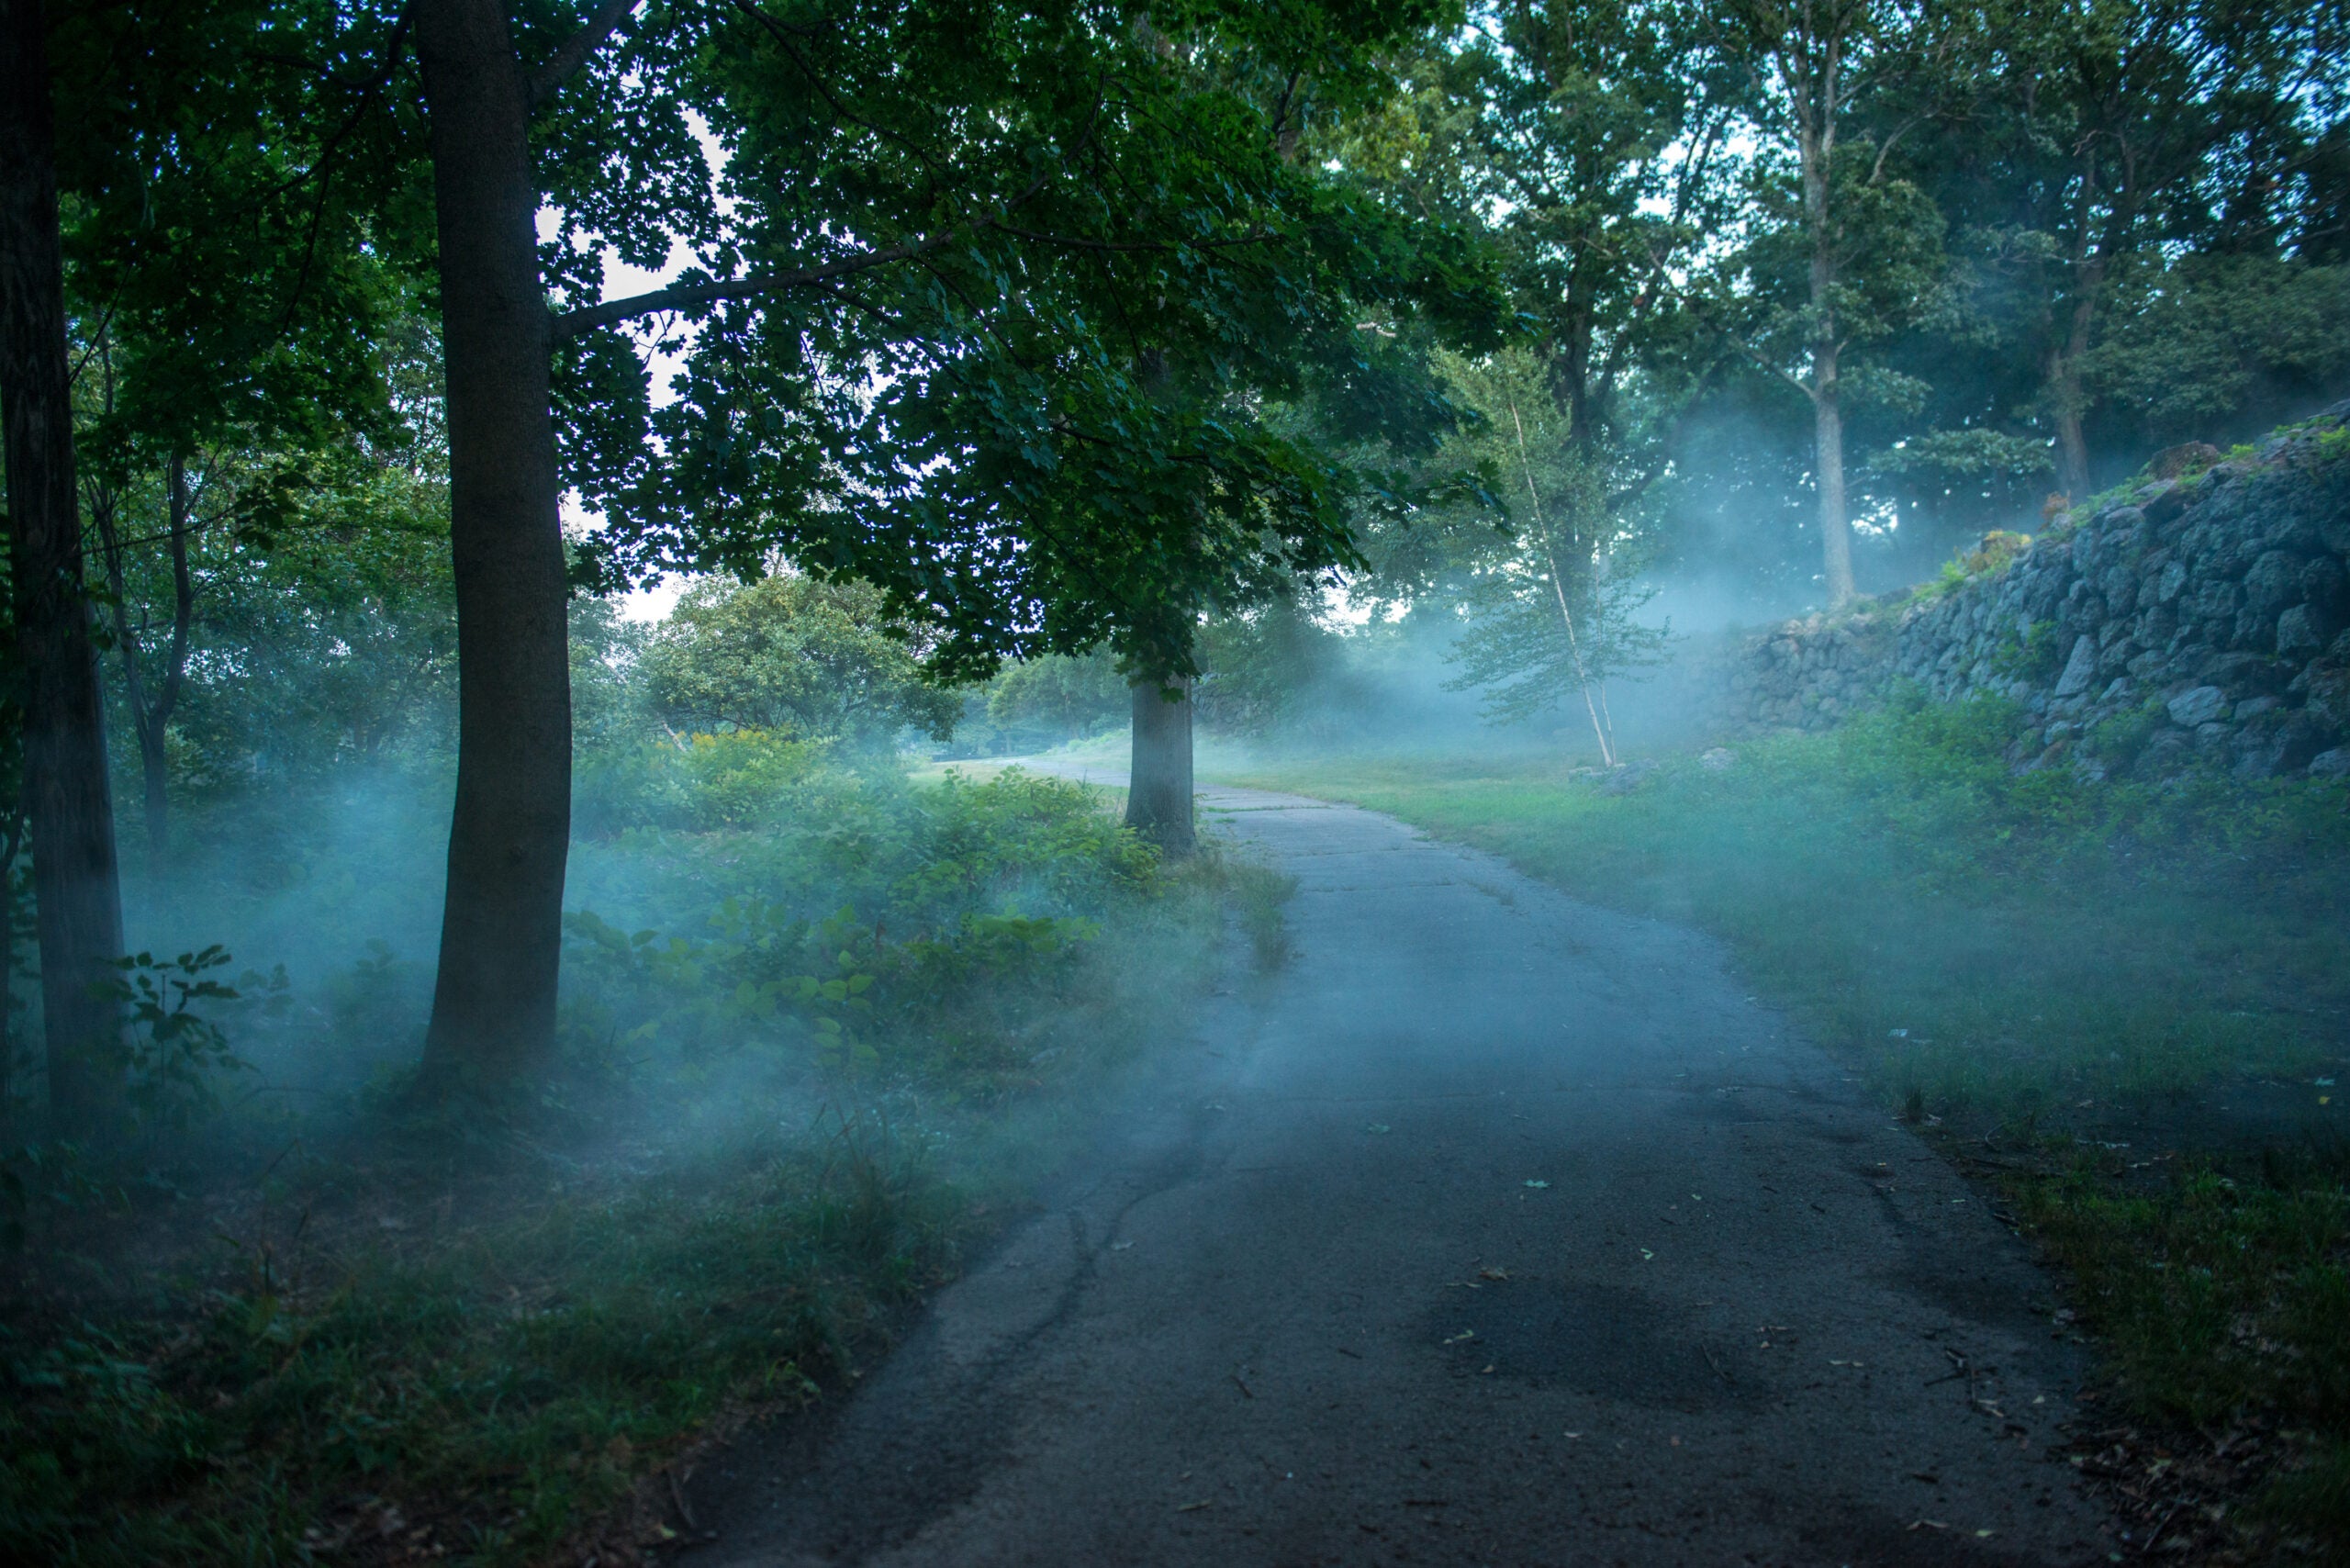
820 1032
2123 1005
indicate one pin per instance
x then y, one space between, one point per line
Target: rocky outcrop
2197 619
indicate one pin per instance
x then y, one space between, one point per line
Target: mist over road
1492 1228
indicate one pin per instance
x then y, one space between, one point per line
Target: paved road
1495 1228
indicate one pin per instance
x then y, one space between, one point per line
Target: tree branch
540 84
685 295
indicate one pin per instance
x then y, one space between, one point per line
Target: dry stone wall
2197 620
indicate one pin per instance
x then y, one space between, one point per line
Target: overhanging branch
687 296
540 86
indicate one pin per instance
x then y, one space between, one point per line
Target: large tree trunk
1158 784
1827 442
2071 445
74 880
501 930
2063 390
1815 153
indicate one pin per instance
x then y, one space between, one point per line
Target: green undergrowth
2222 1307
479 1395
2145 985
816 1032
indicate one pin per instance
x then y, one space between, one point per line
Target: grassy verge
2136 996
813 1049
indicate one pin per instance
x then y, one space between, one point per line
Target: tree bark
11 844
1817 148
1827 442
76 883
502 931
2063 388
2062 383
150 720
2072 444
1158 784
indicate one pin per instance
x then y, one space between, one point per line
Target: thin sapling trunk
150 719
1558 589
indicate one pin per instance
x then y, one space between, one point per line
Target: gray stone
2200 706
2300 632
2118 583
2243 672
2328 696
2274 582
2276 743
2334 764
2325 585
1625 777
2162 502
2253 707
2079 668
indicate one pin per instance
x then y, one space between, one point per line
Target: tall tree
150 714
494 996
241 290
1867 241
1009 310
2130 125
76 880
1159 780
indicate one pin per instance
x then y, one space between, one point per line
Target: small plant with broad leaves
177 1049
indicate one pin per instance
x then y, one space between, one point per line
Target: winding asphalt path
1494 1228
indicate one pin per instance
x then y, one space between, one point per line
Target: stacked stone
2209 612
1810 675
